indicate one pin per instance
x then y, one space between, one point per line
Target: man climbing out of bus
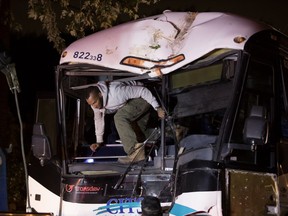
131 102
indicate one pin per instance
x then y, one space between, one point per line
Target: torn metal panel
252 193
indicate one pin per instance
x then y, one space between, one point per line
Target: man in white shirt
130 101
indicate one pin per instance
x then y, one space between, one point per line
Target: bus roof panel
163 43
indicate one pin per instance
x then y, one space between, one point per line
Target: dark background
273 12
35 60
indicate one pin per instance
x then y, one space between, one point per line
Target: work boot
138 154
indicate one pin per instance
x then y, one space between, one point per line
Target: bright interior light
89 160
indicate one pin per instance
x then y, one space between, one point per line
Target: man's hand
95 146
160 112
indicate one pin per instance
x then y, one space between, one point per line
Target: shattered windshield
198 100
195 100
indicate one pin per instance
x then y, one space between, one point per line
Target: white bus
222 149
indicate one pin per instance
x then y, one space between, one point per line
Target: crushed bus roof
163 43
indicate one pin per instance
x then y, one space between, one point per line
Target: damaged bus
221 149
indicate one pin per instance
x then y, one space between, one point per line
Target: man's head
94 97
151 206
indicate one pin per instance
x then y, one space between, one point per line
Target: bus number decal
88 56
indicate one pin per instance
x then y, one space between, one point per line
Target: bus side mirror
40 144
256 127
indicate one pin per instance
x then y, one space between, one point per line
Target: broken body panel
158 40
223 82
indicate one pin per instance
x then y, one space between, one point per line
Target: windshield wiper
155 132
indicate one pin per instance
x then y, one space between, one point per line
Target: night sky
273 12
